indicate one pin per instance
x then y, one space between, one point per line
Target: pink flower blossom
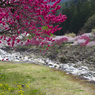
18 41
25 16
7 59
2 59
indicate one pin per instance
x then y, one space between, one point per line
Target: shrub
71 35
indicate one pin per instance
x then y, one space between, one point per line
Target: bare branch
2 2
4 5
4 31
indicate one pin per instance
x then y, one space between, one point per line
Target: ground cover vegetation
20 79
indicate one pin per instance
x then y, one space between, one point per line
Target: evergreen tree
77 15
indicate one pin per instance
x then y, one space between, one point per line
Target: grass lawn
31 79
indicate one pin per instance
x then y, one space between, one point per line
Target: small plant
3 76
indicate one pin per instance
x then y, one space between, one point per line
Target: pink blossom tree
18 16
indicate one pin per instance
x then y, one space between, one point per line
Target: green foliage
90 24
44 27
71 35
77 12
3 76
93 31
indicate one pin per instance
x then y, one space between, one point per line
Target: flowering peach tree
19 16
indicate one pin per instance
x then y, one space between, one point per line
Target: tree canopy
18 16
77 12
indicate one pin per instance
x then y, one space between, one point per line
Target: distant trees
77 15
90 24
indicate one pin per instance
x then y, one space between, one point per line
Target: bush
71 35
93 31
90 24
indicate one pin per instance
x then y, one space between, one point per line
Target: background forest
80 16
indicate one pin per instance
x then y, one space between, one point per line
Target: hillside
77 13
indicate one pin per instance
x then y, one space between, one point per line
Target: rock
51 66
84 73
47 60
50 63
41 61
25 58
56 66
76 72
83 68
2 51
71 68
93 79
71 64
64 66
88 78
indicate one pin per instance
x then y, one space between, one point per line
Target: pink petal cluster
59 41
46 41
92 43
83 40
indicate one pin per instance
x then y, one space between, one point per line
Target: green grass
31 79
